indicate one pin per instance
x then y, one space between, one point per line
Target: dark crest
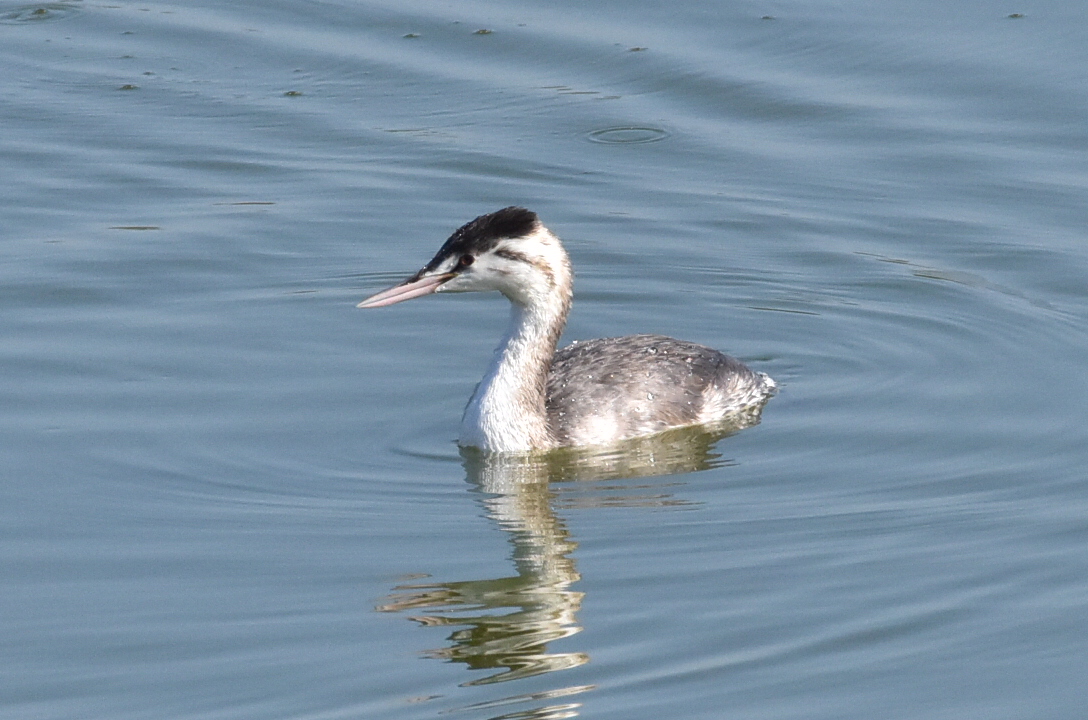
484 232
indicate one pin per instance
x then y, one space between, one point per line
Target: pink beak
407 290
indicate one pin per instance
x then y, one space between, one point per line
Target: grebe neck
507 412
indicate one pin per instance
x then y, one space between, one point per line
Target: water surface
230 494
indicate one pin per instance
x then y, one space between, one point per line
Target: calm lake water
228 494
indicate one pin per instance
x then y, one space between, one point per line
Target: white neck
507 412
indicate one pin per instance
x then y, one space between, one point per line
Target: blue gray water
229 494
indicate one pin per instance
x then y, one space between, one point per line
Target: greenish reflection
506 624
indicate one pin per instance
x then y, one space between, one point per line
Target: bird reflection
505 625
539 605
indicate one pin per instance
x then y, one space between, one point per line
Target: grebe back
595 392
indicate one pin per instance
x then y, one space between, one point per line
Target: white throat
507 411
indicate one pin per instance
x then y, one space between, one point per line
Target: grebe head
509 251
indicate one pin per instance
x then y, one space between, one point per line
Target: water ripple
627 135
38 13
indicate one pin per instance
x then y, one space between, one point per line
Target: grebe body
594 392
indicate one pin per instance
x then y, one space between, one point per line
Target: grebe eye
466 260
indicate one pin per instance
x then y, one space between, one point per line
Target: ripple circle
628 135
44 12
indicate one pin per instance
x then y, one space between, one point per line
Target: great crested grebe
594 392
